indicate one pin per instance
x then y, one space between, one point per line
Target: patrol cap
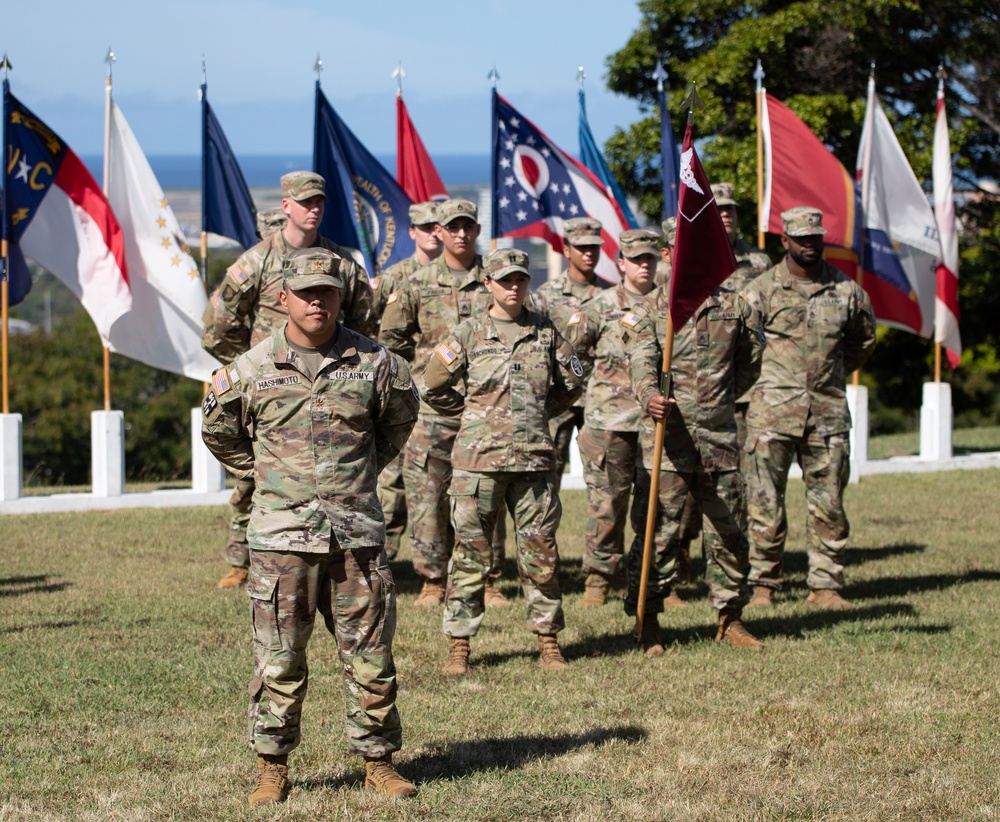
638 241
505 261
453 209
270 221
309 267
582 231
669 228
802 221
301 185
724 194
423 213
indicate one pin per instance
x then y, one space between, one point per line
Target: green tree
817 56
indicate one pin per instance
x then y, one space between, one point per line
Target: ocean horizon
176 172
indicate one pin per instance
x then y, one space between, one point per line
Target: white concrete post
11 457
857 402
207 473
935 422
107 452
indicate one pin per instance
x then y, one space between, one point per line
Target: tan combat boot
549 655
458 657
763 597
493 596
596 591
652 642
272 780
432 593
734 633
381 776
234 577
827 598
674 600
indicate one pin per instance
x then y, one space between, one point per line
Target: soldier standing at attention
609 442
313 413
562 300
716 356
391 490
502 373
418 316
820 327
246 309
751 262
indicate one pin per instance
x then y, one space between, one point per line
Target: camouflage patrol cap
724 194
310 267
423 213
453 209
270 221
582 231
802 221
502 262
669 228
301 185
638 241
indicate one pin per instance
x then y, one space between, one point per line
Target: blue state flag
227 207
17 273
592 158
366 208
670 160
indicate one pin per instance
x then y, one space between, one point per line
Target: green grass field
125 675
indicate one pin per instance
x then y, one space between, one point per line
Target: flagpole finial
398 74
493 76
871 69
758 75
660 75
581 75
941 73
318 66
110 58
5 65
692 102
204 71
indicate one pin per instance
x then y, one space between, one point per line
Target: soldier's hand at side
659 406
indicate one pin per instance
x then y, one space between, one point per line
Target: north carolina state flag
703 256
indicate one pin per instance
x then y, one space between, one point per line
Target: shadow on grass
902 586
797 626
38 584
41 626
859 556
454 760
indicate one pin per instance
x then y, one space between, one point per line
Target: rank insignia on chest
238 274
575 319
392 298
221 381
631 319
446 355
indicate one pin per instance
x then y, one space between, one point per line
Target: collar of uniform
582 291
474 274
827 276
526 328
342 349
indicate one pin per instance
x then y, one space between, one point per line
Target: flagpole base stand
207 473
936 422
11 457
107 453
857 403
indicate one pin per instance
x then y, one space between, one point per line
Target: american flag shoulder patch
373 282
575 319
215 298
445 353
392 298
631 319
237 273
221 381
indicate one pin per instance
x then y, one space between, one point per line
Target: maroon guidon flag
703 257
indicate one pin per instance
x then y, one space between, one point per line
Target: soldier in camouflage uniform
668 234
609 442
820 327
391 490
562 300
716 356
270 221
418 316
245 309
502 373
312 413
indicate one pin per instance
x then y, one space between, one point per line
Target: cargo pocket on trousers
263 591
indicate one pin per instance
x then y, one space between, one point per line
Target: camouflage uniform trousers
355 593
825 462
561 428
236 551
427 476
392 496
477 501
609 469
720 497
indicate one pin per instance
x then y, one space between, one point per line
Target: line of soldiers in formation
310 413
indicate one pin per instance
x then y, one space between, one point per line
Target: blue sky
260 55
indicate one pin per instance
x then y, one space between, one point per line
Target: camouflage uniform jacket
247 309
389 280
813 343
313 447
716 357
509 393
561 300
597 338
751 262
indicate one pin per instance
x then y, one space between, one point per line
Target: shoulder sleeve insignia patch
238 274
574 363
209 403
631 319
445 354
221 381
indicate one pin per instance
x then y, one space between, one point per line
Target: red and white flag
946 305
703 256
415 171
